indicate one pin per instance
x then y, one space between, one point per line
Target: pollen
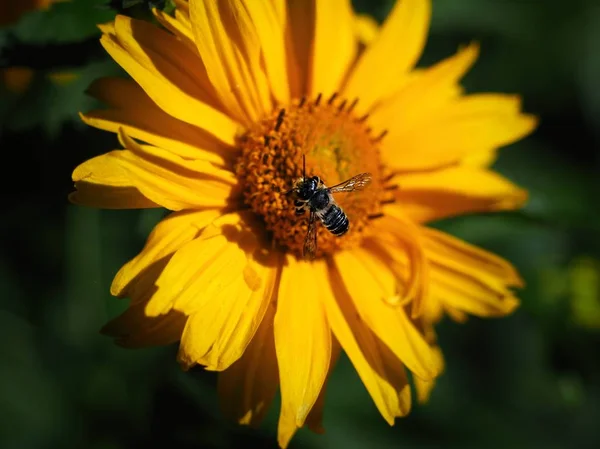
337 145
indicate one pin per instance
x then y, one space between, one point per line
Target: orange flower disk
204 135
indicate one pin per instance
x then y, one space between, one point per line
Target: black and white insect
313 195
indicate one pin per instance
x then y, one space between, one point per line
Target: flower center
337 145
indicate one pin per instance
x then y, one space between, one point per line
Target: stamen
279 119
363 118
388 178
302 101
332 98
352 105
318 99
381 136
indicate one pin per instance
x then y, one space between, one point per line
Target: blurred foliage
531 380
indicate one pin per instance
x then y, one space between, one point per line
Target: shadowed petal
195 272
103 182
134 329
163 53
314 420
218 332
247 388
171 234
300 29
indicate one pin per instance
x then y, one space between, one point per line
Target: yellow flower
16 79
225 102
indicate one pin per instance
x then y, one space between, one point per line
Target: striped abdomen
335 220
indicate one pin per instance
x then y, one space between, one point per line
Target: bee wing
357 182
310 241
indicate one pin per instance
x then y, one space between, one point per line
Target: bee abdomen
336 221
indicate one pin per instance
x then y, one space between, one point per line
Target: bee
313 195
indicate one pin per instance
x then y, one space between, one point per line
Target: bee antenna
304 166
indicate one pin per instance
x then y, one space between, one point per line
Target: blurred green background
528 381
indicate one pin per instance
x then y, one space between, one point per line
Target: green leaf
70 21
55 98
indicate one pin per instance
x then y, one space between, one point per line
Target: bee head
307 187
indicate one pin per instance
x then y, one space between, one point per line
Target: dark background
528 381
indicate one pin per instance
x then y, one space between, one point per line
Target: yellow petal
314 420
469 279
303 345
271 35
457 315
424 92
425 387
453 249
366 28
200 268
168 236
247 388
147 128
457 130
334 46
393 53
381 372
62 78
427 196
229 45
462 293
142 119
218 333
179 28
468 124
171 181
358 270
107 28
182 6
102 182
161 52
134 329
433 312
171 98
482 158
399 247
